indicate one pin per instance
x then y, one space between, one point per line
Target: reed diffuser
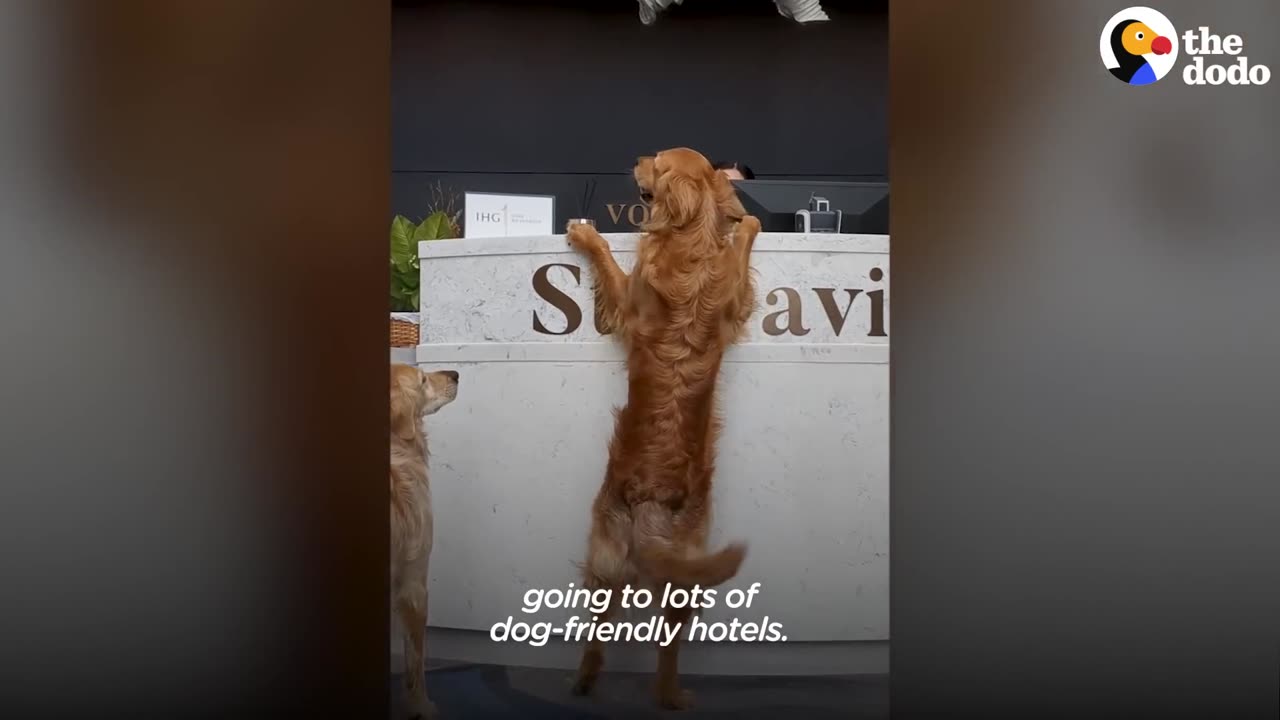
584 206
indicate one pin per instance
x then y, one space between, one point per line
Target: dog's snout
451 374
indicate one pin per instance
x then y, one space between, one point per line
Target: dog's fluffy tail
656 557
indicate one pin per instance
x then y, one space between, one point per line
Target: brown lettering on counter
557 298
789 319
795 321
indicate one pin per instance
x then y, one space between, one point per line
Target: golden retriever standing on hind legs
414 395
687 299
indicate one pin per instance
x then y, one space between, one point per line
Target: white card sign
498 215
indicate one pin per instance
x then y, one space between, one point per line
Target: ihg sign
783 304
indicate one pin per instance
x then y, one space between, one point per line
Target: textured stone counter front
803 468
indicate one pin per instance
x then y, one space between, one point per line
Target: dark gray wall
541 97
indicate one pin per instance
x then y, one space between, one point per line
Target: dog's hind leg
606 568
670 696
412 609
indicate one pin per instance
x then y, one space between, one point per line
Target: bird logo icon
1139 45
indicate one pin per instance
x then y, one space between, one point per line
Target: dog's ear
403 423
684 199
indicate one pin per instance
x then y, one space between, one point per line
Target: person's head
735 171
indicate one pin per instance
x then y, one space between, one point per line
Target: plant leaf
399 300
425 230
437 226
405 264
403 248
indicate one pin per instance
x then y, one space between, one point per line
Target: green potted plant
441 224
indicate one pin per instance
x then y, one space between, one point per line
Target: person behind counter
735 170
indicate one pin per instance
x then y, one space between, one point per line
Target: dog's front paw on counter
583 237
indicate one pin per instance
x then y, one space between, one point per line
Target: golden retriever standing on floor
414 395
687 299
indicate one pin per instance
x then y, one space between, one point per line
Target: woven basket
404 334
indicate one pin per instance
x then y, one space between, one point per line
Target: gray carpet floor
492 691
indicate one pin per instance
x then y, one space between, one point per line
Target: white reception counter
803 470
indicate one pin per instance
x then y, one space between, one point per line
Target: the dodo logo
1139 45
